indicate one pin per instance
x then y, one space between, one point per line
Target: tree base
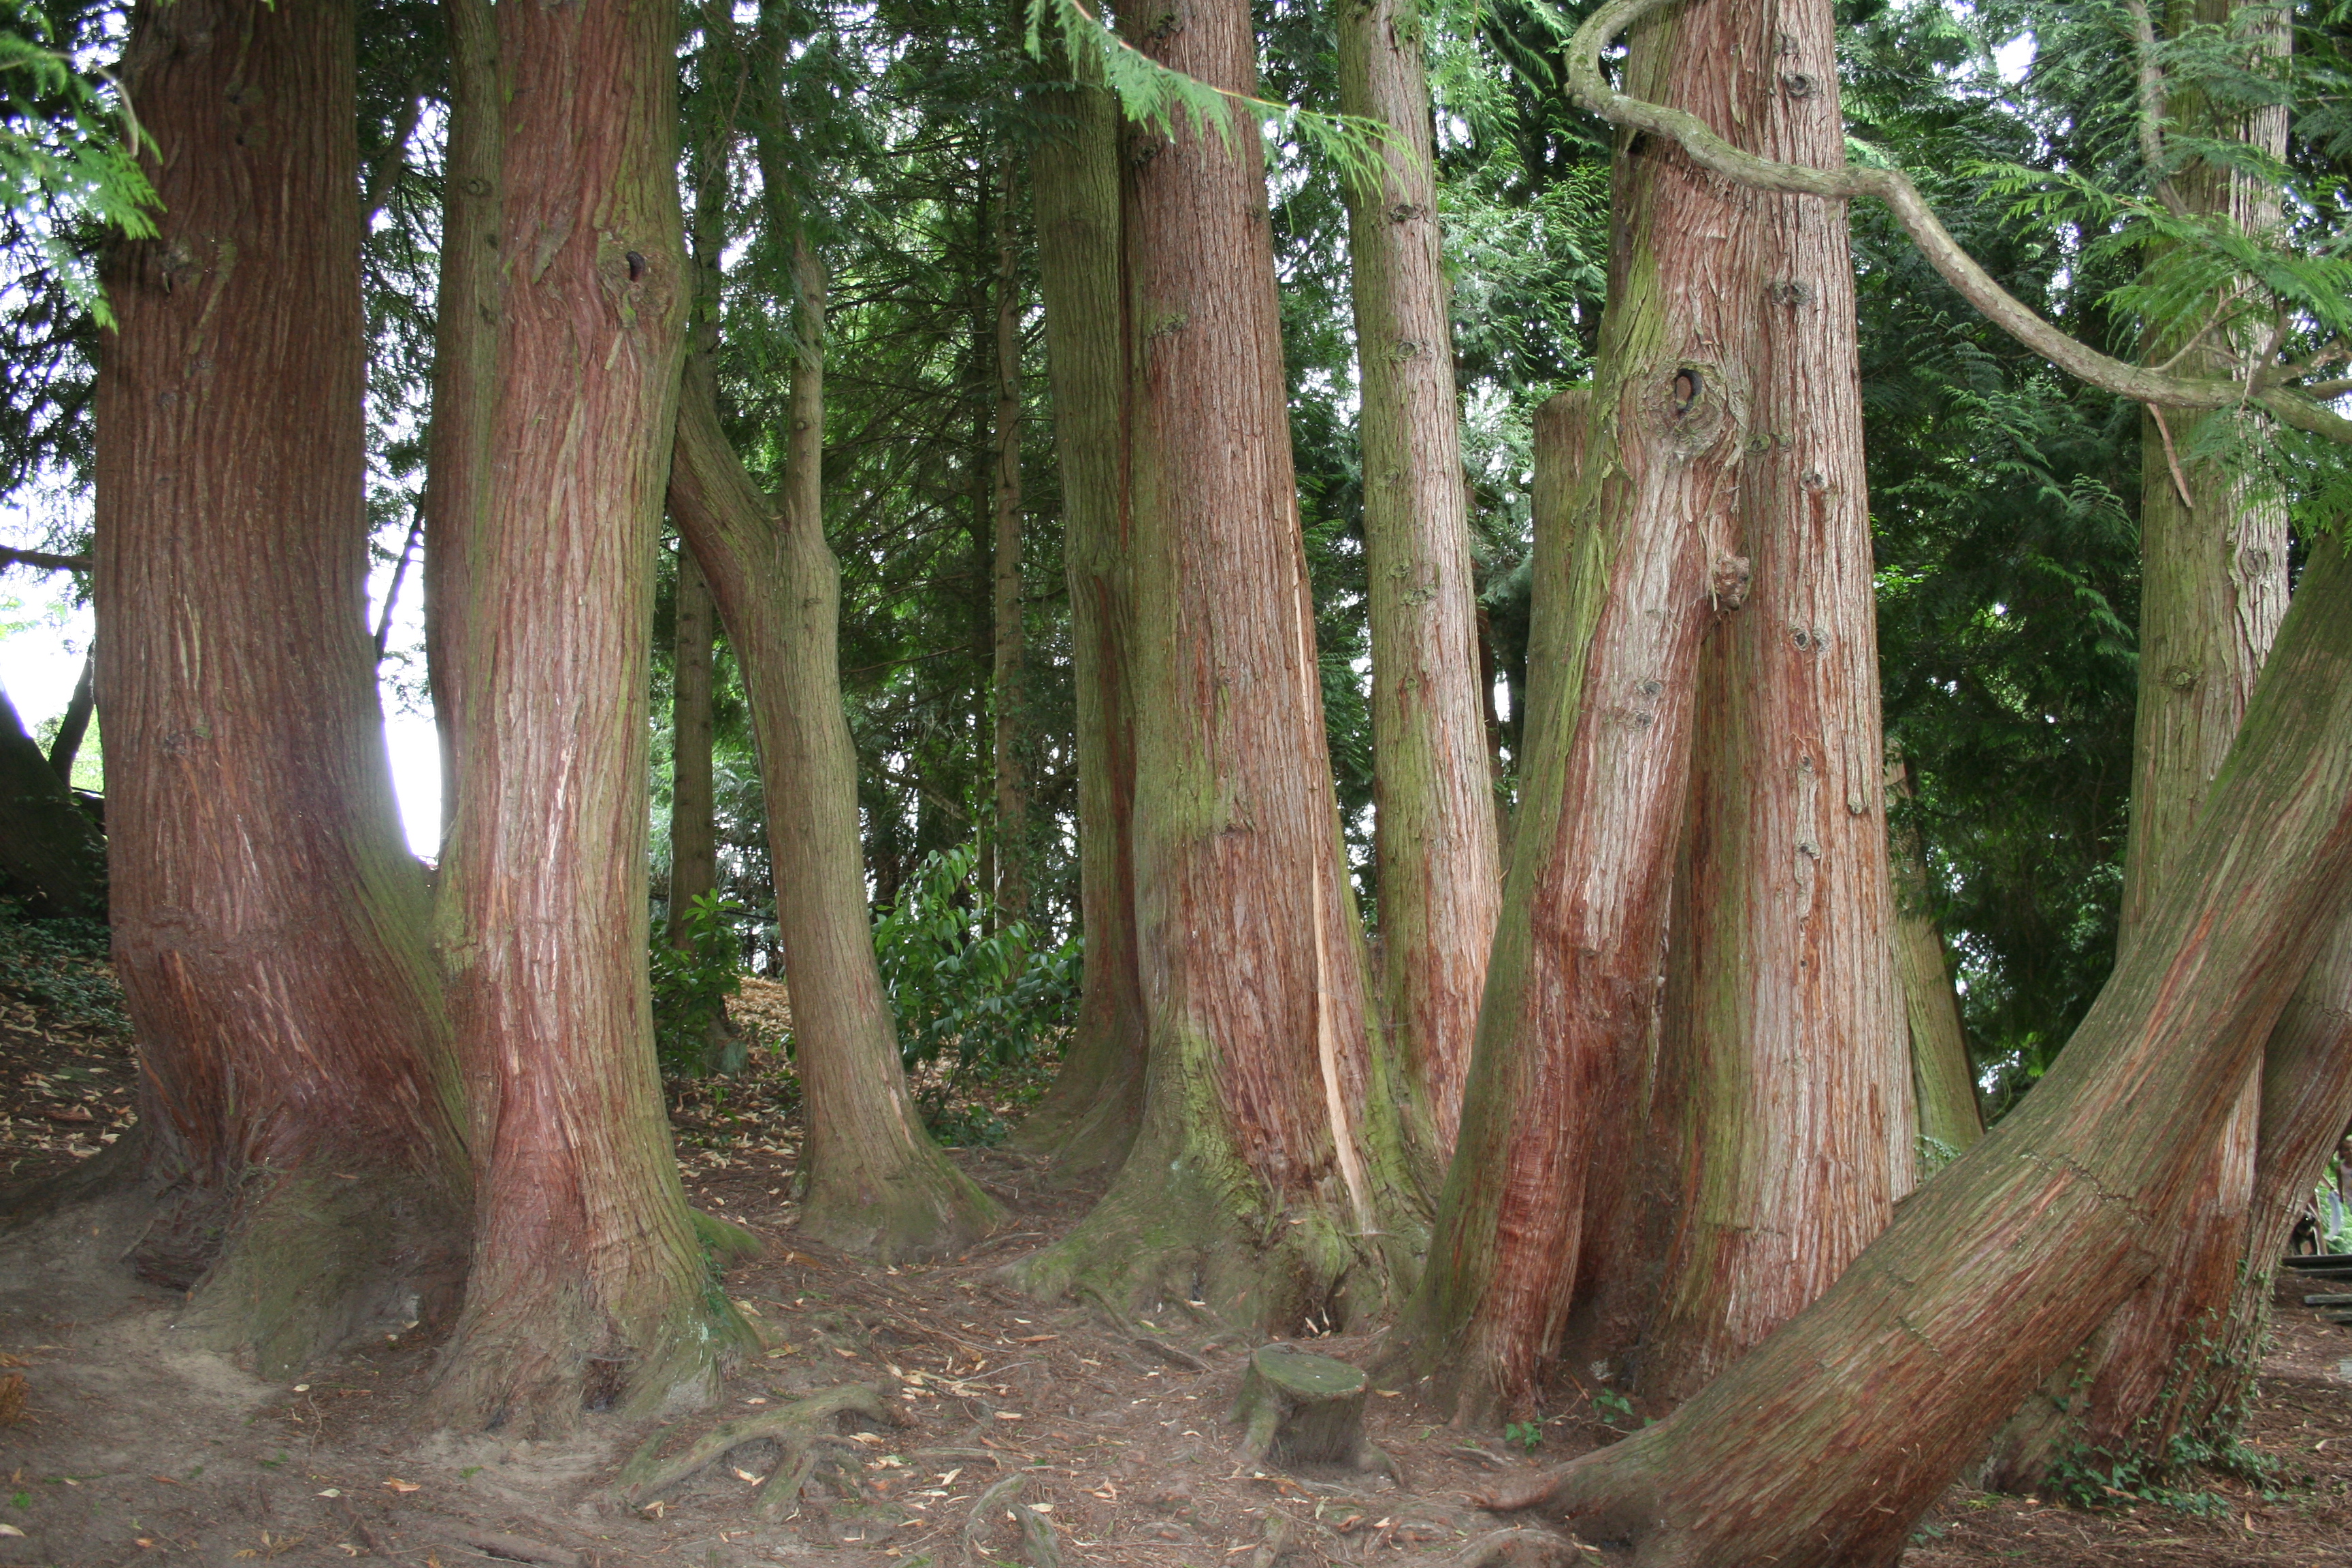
924 1209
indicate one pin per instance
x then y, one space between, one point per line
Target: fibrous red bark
296 1098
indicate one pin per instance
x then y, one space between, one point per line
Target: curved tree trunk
1270 1143
51 855
2213 585
270 926
1823 1447
874 1181
1633 566
74 723
465 368
591 1284
1783 1070
1088 1117
1435 814
1943 1078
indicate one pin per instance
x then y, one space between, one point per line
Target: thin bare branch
43 559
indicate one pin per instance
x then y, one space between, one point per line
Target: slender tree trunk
2212 589
1270 1141
75 722
1823 1447
1088 1117
591 1282
270 926
1943 1077
1435 817
1633 566
1783 1070
693 825
874 1181
464 369
1010 705
51 855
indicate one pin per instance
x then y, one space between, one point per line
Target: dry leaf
13 1392
395 1484
11 1530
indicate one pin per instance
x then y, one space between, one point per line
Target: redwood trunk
1943 1078
590 1286
873 1181
1270 1141
693 828
269 922
1633 566
1088 1117
1825 1444
2213 588
1434 833
1783 1072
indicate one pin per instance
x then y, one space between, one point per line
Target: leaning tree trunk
1434 814
2212 587
1823 1447
464 366
73 723
591 1282
269 925
874 1181
1943 1077
693 825
51 855
1088 1117
1629 577
1270 1141
1784 1076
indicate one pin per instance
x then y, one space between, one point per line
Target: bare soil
132 1447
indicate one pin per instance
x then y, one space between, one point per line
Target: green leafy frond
67 155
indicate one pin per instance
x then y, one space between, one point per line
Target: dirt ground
132 1447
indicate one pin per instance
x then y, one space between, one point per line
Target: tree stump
1300 1409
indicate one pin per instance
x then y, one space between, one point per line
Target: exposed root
1606 1494
1037 1542
791 1427
975 1524
513 1548
1520 1546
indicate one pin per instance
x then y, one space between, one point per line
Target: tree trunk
1783 1075
2213 585
51 856
1433 806
591 1283
1271 1142
1010 699
464 369
1943 1077
693 826
1635 539
75 722
1088 1117
874 1181
1825 1444
295 1087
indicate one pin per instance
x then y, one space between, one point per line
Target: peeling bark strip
589 1279
876 1183
1823 1447
269 922
1572 989
1783 1115
1088 1117
1435 814
1239 1183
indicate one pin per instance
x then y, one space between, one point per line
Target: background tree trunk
1633 567
269 925
2213 585
874 1181
1822 1447
1783 1068
51 855
693 826
74 723
1270 1141
1433 806
1943 1077
1009 705
1088 1117
590 1283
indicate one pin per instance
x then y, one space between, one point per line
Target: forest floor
130 1448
